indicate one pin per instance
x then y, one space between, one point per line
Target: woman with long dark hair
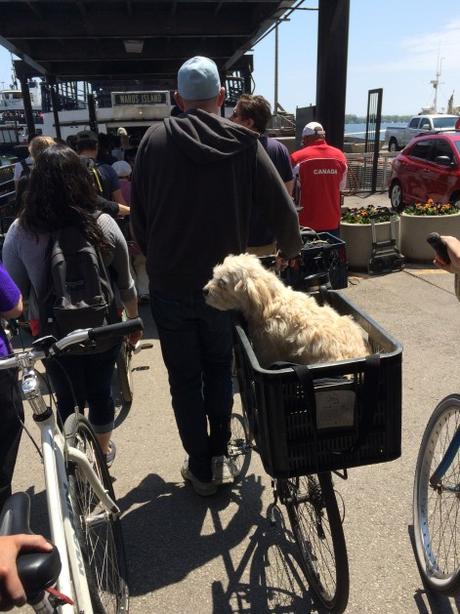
61 195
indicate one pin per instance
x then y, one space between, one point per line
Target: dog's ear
240 285
258 294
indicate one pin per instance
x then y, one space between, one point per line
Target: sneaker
111 453
224 470
204 489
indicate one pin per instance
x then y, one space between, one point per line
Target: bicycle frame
72 580
446 461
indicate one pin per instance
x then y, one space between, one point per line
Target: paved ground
220 556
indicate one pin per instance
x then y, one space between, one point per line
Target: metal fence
7 197
361 172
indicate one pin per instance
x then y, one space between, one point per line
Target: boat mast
435 83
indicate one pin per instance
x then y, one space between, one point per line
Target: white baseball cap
122 168
198 79
313 129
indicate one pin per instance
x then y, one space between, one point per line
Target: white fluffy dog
284 325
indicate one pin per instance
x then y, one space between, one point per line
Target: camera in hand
439 246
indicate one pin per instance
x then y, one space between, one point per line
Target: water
358 131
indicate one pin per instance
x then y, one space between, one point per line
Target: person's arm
14 265
14 312
11 590
138 205
120 264
118 197
114 209
272 197
289 185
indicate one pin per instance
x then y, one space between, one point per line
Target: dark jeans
91 377
10 430
196 343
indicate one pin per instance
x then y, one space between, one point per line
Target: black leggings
11 411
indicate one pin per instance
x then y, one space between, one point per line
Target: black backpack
79 292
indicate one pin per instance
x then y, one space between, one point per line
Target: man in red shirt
320 172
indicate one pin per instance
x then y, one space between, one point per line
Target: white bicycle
82 509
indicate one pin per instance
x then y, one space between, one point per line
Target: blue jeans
196 343
91 377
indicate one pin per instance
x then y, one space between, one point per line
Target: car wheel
393 145
396 196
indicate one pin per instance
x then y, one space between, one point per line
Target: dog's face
233 282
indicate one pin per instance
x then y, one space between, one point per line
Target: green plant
364 215
431 208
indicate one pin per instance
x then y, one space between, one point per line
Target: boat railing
7 188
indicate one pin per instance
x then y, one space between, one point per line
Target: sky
393 44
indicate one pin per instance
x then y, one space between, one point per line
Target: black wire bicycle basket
338 415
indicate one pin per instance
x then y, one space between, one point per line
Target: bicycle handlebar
76 337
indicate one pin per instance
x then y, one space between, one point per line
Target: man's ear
179 100
221 97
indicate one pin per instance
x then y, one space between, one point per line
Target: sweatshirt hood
207 138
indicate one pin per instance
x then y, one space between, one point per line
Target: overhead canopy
121 39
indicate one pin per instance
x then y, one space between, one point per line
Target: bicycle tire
101 541
317 528
125 373
239 446
436 510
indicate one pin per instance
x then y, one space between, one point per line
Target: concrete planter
415 228
358 239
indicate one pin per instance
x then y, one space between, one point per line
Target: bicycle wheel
436 508
98 532
239 446
125 372
317 527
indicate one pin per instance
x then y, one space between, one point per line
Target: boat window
441 148
414 122
444 122
421 149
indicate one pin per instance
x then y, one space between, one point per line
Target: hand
453 248
133 338
11 590
281 262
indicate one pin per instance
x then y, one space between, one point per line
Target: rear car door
415 179
440 179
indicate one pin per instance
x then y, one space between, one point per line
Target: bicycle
82 509
436 499
308 422
125 371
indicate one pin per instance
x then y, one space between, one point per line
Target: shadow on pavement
166 539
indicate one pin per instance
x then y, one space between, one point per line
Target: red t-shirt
320 169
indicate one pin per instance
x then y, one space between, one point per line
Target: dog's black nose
205 291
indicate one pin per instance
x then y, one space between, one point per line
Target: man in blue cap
196 179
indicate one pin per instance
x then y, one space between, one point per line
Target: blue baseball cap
198 79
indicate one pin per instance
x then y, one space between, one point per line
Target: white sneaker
224 470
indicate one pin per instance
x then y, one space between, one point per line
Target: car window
425 122
414 122
457 145
444 122
441 147
421 149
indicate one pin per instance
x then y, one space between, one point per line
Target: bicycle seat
37 570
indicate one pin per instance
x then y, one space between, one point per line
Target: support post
331 76
275 97
55 105
92 113
27 107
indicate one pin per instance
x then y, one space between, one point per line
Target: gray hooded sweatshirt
197 177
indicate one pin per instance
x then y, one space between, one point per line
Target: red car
429 167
